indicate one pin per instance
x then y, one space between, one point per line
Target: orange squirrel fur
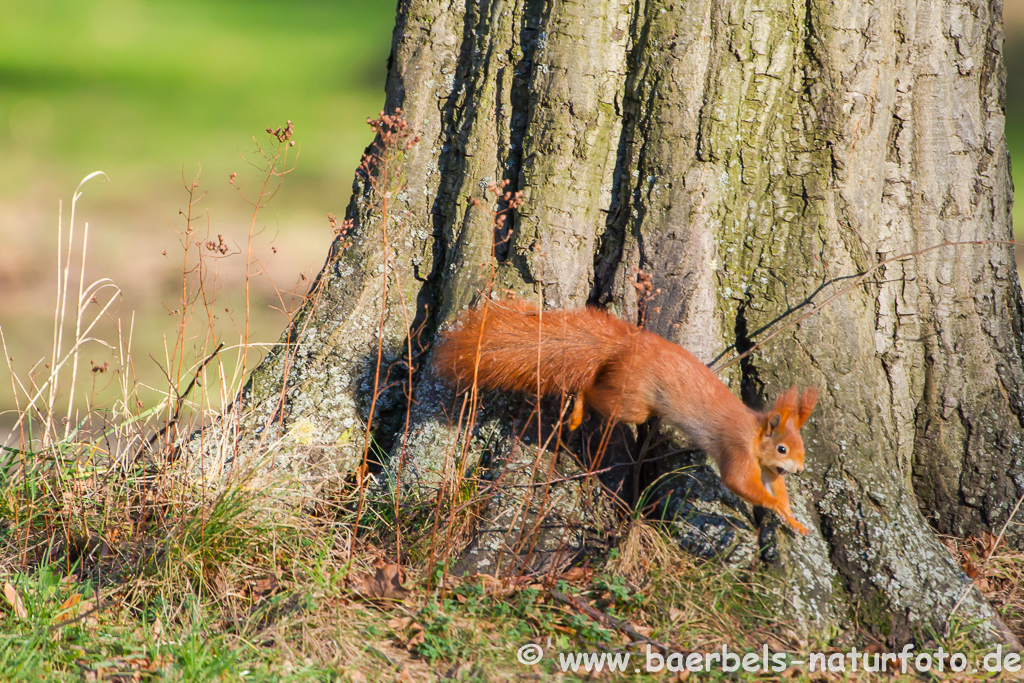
629 375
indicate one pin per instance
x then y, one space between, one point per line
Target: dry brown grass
642 551
997 571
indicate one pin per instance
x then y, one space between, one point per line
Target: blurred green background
156 92
1013 15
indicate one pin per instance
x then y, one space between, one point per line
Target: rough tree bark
750 157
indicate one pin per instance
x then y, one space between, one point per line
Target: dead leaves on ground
997 571
388 579
71 608
384 584
409 632
262 586
124 669
977 557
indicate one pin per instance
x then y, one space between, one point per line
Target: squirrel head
779 445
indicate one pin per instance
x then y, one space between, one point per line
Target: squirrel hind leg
578 409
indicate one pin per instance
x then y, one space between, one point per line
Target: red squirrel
628 374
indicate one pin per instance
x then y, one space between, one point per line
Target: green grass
163 84
166 603
309 623
113 570
133 572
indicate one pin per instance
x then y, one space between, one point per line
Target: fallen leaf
336 602
386 583
72 600
85 607
988 543
418 638
577 574
14 600
263 585
792 672
216 581
399 624
408 631
970 568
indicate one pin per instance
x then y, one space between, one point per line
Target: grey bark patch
542 515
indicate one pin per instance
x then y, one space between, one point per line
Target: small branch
815 309
988 556
620 625
98 607
178 404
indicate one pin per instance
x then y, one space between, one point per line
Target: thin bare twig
860 279
178 404
988 556
620 625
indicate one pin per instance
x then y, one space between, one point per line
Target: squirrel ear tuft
785 404
807 401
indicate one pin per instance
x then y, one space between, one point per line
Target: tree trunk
752 159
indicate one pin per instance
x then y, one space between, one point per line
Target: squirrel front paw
797 526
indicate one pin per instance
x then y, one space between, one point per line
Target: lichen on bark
749 160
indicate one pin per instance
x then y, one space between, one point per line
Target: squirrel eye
782 449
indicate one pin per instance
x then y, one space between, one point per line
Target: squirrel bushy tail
526 348
630 375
